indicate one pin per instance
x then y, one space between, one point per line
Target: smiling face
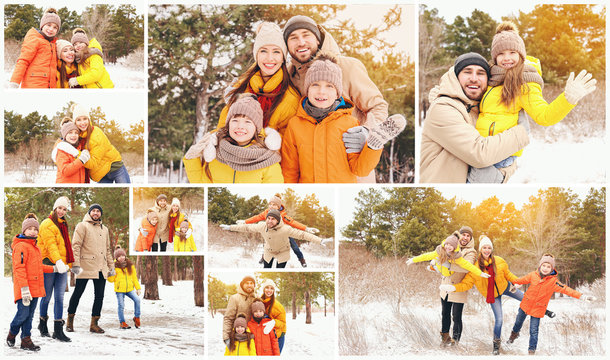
82 122
274 206
61 210
269 290
175 208
50 29
31 232
162 202
449 248
153 221
240 329
322 94
67 54
241 129
258 313
546 268
269 59
95 214
248 286
271 222
79 46
473 80
121 258
508 59
465 239
72 136
486 251
302 45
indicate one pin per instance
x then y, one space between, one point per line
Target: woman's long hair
513 84
268 305
481 261
55 218
63 73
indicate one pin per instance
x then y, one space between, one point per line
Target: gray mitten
386 131
486 175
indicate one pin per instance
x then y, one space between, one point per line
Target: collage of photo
329 181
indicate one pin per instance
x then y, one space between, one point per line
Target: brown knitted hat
269 33
60 45
151 214
50 17
507 38
66 127
547 258
247 105
451 240
240 320
184 224
466 229
246 278
161 196
257 305
79 35
275 214
275 199
324 67
29 221
118 252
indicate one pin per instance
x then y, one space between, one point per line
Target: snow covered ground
312 340
48 176
198 222
171 326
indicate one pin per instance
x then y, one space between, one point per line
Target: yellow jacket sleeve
426 256
466 283
194 171
542 112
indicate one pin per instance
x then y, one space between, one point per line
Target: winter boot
262 260
124 326
531 352
446 339
10 339
549 313
70 323
94 327
496 350
58 331
512 337
456 338
136 322
42 326
303 263
27 344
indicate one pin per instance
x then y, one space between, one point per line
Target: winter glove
549 313
196 150
73 82
227 342
410 261
26 297
273 139
111 273
268 327
326 241
579 87
138 292
13 85
312 230
524 121
60 267
433 267
386 131
189 232
241 222
484 275
486 175
446 287
77 270
225 227
588 298
354 139
209 152
143 232
84 156
517 286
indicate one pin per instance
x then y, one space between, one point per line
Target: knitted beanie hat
79 110
507 38
301 22
466 230
468 59
246 278
79 35
161 196
151 214
240 320
324 68
247 105
275 214
30 221
66 127
268 282
547 258
452 240
60 45
119 252
95 206
175 201
257 305
484 240
269 33
184 225
62 201
50 17
275 199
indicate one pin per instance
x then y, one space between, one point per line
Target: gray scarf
240 158
317 113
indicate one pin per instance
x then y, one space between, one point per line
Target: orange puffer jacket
28 267
287 219
144 243
313 152
266 344
70 170
537 297
37 63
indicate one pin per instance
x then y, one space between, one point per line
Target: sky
325 194
81 5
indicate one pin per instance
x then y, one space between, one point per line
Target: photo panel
418 293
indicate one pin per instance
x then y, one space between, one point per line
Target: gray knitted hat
30 221
79 35
275 214
547 258
301 22
50 17
468 59
66 127
324 67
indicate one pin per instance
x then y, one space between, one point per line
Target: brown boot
70 323
512 337
531 352
10 339
94 327
27 344
136 321
446 339
124 326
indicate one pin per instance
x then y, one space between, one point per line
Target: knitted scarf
241 158
490 283
318 113
172 226
530 74
266 91
63 229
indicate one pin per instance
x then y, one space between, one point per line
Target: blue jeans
54 282
534 324
120 296
295 248
496 307
506 162
23 318
280 341
118 176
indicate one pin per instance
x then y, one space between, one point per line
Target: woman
66 67
56 249
275 310
268 78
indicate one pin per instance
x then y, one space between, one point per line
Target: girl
147 231
91 70
240 155
28 283
543 284
516 84
241 341
275 311
37 66
268 78
126 284
56 249
261 326
183 240
66 67
105 164
66 155
176 218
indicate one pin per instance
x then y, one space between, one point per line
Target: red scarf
172 227
490 284
265 100
63 229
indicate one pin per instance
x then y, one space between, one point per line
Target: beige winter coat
238 303
92 248
162 234
469 254
450 142
277 242
371 108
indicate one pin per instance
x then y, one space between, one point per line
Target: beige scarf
240 158
530 74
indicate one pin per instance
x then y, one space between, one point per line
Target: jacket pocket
39 74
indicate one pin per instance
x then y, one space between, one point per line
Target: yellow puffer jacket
443 269
189 243
277 313
123 282
50 241
93 74
495 117
285 109
241 348
103 154
502 277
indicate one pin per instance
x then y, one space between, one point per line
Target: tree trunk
325 306
294 305
150 278
198 280
167 271
175 270
307 308
391 179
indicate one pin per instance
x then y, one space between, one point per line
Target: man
238 303
162 233
450 143
92 260
276 237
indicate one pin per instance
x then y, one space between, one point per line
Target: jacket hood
22 238
94 44
450 86
241 291
328 42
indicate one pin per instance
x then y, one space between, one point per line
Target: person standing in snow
126 284
274 310
261 326
239 303
162 234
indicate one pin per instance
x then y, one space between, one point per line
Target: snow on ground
48 176
312 340
198 222
171 326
